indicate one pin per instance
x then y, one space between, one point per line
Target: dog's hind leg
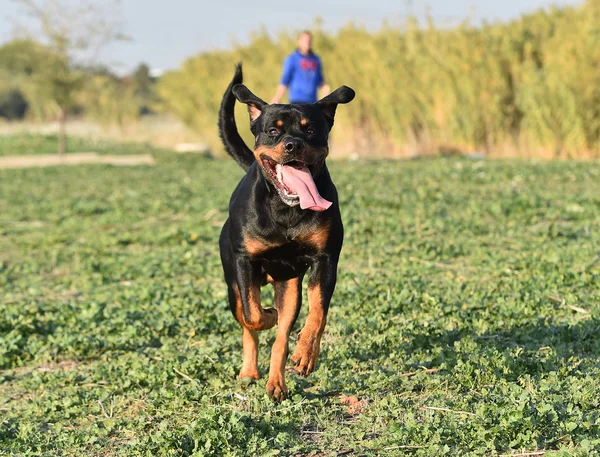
288 298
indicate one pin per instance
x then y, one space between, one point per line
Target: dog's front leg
321 284
248 278
288 297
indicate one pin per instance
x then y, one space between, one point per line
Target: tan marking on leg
249 342
259 318
250 349
287 301
309 342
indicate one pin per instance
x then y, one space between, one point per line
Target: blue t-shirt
302 75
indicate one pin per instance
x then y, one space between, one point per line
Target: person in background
302 74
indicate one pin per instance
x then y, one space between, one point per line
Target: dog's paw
270 318
306 354
248 376
276 388
267 319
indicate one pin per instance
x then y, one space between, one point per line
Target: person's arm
286 79
279 93
321 84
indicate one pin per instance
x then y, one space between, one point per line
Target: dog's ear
329 103
255 104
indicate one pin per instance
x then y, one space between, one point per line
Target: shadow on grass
533 349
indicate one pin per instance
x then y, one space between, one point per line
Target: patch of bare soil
52 160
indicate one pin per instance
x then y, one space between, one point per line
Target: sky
164 32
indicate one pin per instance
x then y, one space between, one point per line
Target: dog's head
291 143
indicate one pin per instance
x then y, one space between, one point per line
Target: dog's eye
310 131
273 132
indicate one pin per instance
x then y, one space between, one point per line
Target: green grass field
466 319
35 144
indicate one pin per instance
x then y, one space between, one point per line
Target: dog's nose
293 145
288 145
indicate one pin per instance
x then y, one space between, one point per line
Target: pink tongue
299 181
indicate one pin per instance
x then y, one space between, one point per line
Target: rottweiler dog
284 218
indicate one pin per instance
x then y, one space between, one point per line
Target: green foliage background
528 87
40 74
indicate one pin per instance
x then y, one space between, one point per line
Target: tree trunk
62 132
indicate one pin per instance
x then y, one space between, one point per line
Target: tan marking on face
279 123
304 122
276 153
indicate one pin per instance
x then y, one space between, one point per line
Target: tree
110 100
143 88
73 33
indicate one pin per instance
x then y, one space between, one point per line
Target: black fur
234 145
258 212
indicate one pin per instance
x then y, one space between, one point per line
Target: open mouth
274 171
294 184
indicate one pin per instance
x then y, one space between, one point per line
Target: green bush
13 104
